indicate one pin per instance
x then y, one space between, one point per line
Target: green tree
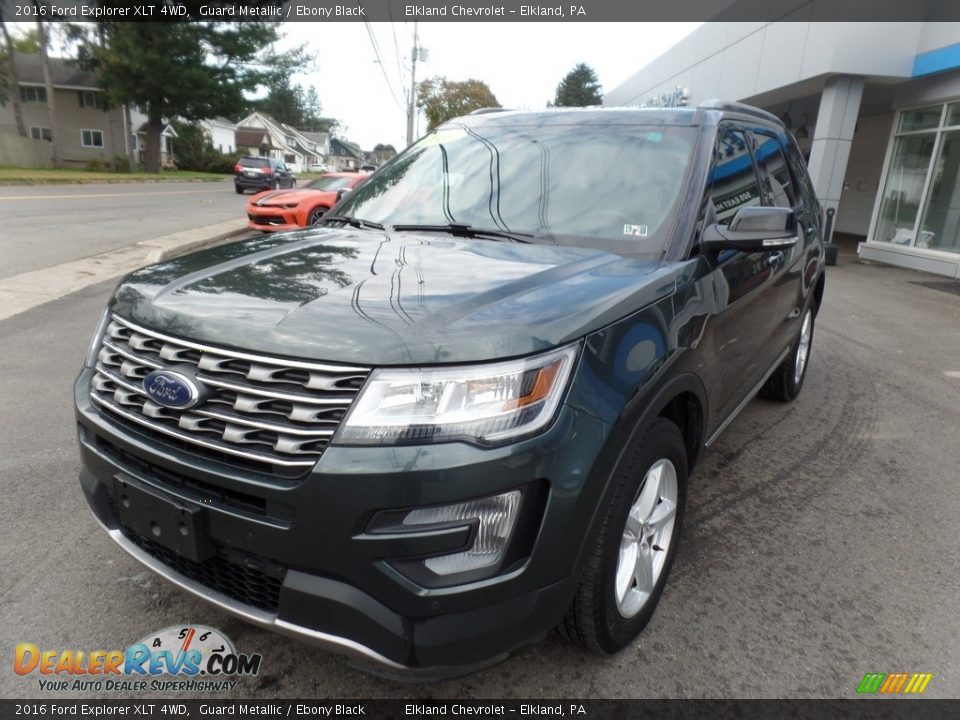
51 96
191 70
9 83
194 149
441 99
28 43
579 88
299 108
284 102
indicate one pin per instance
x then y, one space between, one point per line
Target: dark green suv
464 410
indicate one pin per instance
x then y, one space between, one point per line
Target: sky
521 62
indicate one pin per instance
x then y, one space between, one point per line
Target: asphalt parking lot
820 543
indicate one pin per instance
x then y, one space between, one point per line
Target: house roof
344 148
252 137
219 120
167 130
303 149
320 138
62 73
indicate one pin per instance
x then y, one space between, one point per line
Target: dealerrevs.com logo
183 657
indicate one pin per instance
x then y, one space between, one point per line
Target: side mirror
343 191
753 229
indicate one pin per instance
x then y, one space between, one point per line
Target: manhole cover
948 286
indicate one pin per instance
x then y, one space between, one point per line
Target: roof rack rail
717 104
488 110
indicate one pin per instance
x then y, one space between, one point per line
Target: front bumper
272 219
337 585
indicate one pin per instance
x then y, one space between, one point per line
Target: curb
170 246
27 290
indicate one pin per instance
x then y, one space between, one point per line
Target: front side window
778 187
610 186
91 138
733 182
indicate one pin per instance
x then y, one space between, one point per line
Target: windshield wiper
468 231
353 222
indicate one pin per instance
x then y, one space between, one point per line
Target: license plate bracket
163 519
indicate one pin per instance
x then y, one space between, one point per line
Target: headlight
484 404
91 358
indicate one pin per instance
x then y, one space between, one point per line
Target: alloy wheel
646 538
803 347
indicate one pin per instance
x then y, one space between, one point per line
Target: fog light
497 516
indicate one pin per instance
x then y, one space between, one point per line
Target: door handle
774 258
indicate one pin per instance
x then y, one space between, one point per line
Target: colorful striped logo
894 683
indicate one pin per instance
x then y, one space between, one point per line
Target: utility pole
412 110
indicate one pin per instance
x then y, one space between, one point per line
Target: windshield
607 186
329 183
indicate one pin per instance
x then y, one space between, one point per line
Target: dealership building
874 106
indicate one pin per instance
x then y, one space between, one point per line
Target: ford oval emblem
171 389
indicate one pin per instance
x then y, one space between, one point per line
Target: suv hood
376 298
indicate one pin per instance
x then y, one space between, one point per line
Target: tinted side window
733 181
778 187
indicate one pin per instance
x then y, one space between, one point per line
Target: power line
376 51
396 47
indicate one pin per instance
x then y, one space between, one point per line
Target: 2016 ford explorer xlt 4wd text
464 409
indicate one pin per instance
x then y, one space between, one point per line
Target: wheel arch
818 293
683 401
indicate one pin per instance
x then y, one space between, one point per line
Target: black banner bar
862 709
482 10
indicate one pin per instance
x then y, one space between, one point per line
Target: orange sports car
274 210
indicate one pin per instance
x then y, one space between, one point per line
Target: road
821 540
45 225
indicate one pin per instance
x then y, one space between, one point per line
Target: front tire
635 546
787 380
316 215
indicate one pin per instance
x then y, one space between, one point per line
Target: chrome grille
262 409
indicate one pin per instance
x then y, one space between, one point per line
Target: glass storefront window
940 229
927 118
903 189
953 114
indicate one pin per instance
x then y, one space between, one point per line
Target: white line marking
106 195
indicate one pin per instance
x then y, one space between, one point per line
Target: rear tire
238 189
630 561
787 380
